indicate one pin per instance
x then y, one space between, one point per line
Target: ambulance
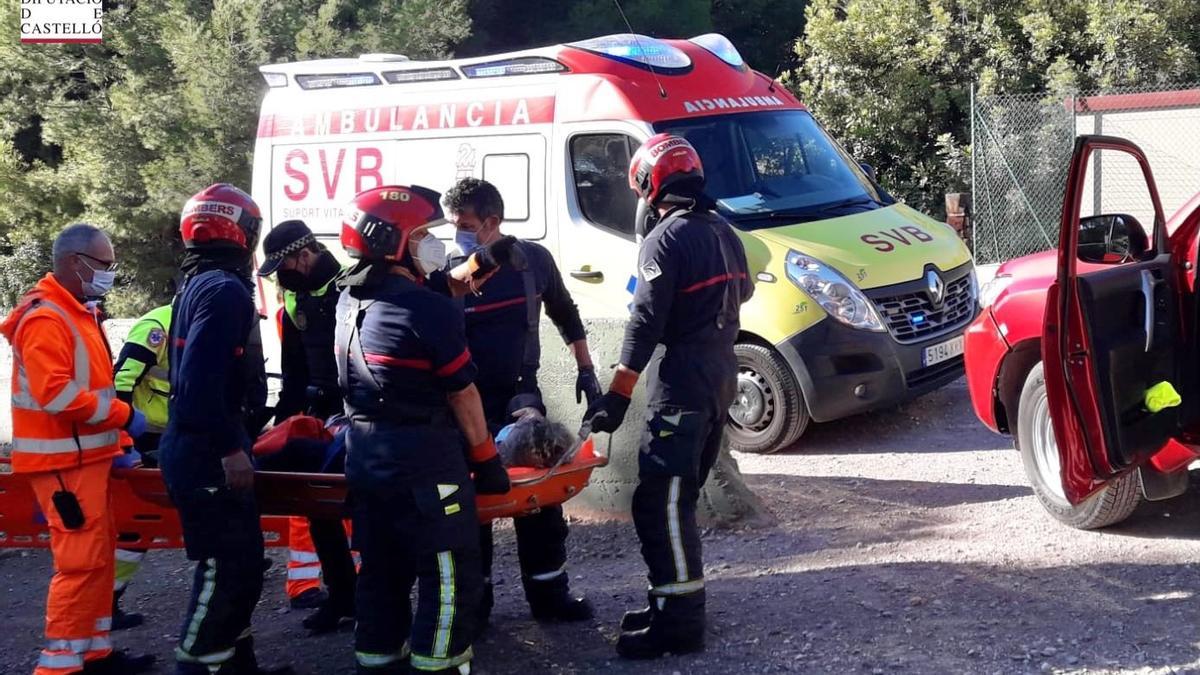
859 302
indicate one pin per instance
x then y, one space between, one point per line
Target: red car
1070 342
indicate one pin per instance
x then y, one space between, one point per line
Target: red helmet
219 216
664 161
379 222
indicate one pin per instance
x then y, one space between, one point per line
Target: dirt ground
907 542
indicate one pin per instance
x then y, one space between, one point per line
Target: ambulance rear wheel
1039 454
768 412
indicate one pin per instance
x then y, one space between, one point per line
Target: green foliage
121 134
890 78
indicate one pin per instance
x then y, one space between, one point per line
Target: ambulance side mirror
869 170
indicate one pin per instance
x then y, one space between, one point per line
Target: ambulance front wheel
768 412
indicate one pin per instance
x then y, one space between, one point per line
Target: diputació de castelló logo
62 21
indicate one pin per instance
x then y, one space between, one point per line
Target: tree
890 78
121 134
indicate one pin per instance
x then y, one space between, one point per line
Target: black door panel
1127 357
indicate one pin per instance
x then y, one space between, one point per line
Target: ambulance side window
600 163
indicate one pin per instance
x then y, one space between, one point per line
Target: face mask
101 283
431 254
291 280
467 241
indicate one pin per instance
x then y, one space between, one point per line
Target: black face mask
292 280
323 271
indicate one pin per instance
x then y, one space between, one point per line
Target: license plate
943 351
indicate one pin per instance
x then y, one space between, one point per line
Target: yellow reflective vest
142 375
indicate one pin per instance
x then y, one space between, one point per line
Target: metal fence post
974 154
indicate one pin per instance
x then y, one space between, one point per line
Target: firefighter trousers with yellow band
679 447
403 542
222 534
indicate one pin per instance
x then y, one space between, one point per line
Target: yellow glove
1161 396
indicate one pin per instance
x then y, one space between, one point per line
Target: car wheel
768 412
1039 454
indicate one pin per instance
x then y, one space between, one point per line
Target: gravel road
906 542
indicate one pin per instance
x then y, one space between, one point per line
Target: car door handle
588 275
1148 285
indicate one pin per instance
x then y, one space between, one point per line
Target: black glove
606 413
586 385
491 478
503 252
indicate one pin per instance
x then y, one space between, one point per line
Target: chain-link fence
1021 146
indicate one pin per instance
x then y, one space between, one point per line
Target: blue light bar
638 50
721 47
420 75
524 65
336 80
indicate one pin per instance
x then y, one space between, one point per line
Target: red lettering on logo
895 235
918 234
362 170
879 244
298 190
331 185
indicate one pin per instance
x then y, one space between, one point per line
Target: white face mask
431 254
101 283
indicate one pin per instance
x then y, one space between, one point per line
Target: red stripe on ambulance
430 116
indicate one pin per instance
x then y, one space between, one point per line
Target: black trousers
679 448
222 533
541 544
416 536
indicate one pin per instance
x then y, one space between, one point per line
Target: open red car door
1113 331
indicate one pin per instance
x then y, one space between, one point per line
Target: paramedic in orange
66 426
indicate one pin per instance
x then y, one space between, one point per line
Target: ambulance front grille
912 317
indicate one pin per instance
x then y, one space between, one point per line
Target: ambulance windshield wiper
810 214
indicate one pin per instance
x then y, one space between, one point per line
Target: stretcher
146 519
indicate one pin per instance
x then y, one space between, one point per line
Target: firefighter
692 279
306 272
205 451
141 377
67 424
407 377
502 332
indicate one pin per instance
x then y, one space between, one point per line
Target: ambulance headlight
835 294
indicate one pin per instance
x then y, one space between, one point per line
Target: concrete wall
725 499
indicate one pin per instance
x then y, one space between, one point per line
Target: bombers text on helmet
220 216
662 165
379 222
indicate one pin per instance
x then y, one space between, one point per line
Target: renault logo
935 287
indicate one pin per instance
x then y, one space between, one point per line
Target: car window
600 164
1117 211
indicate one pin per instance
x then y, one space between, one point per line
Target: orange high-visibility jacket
64 408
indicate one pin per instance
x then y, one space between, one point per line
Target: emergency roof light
383 58
641 51
332 80
275 79
420 75
522 65
721 47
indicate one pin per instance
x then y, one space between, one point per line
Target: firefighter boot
330 615
244 662
638 619
122 620
676 627
551 600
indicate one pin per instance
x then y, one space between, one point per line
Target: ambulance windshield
775 168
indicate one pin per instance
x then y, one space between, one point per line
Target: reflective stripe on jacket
142 375
64 408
